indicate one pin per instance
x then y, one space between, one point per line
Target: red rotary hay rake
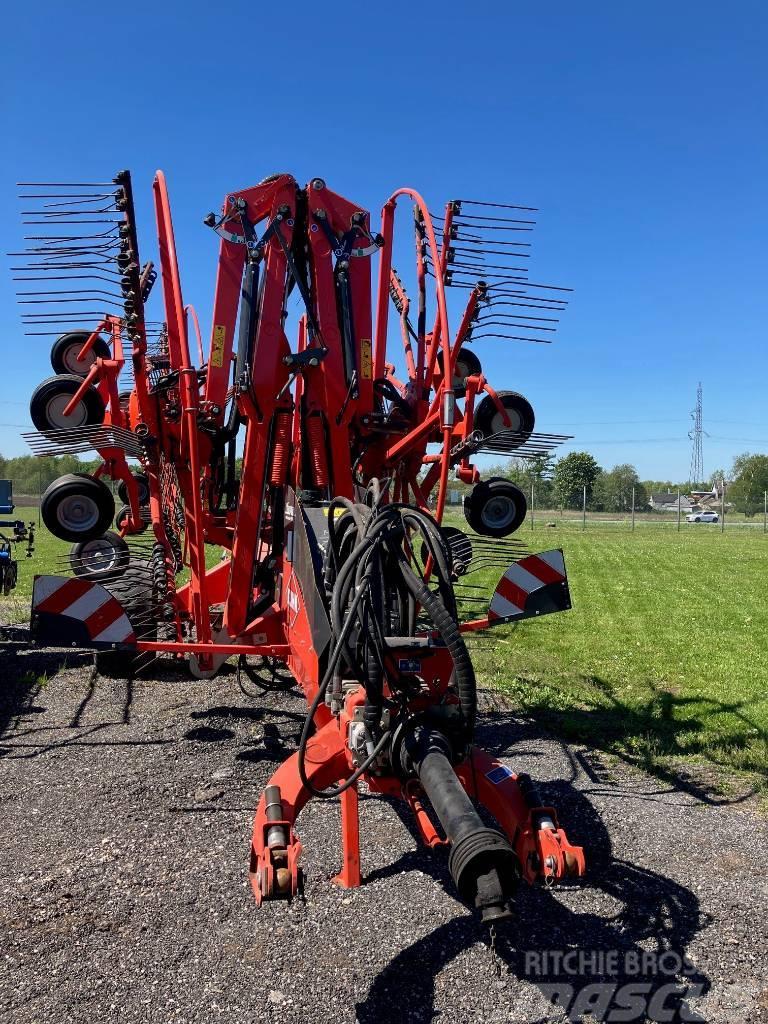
335 567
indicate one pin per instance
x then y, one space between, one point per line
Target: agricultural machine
20 532
315 468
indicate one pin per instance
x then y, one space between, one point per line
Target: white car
702 517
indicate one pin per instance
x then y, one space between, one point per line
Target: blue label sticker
409 664
499 773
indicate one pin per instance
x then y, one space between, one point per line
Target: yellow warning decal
217 345
366 370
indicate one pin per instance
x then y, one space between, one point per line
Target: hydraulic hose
333 661
374 685
372 589
447 627
374 581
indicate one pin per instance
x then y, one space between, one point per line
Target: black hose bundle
376 587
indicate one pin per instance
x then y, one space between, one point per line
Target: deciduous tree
747 492
612 491
571 475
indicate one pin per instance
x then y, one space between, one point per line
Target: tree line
561 483
31 475
556 483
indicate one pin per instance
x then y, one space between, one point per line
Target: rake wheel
77 507
495 507
467 365
121 520
143 485
100 559
50 399
67 347
489 420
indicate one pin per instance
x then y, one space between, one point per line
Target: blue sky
638 130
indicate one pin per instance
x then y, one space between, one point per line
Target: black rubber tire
47 416
123 514
66 347
484 507
9 578
102 559
77 507
143 484
467 365
488 419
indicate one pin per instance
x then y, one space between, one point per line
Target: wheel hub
498 512
75 365
54 411
77 513
99 556
515 421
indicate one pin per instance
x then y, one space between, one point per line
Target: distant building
707 497
667 501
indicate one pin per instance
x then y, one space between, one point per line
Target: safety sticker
366 369
499 773
217 345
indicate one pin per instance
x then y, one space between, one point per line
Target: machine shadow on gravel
24 672
656 913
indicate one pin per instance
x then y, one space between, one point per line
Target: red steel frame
319 390
303 414
103 376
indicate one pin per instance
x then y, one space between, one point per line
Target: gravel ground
126 813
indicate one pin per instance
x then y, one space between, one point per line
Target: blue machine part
6 497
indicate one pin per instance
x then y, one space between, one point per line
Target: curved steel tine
498 206
477 240
512 337
484 317
67 277
460 225
491 252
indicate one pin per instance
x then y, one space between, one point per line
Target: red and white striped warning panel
73 612
536 585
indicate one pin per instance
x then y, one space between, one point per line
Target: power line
739 440
617 423
614 423
680 439
628 440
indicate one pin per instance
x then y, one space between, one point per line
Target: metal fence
542 515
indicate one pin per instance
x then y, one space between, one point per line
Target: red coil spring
281 449
316 447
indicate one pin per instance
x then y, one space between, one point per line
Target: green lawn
663 656
664 653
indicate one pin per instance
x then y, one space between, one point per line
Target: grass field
663 658
664 654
